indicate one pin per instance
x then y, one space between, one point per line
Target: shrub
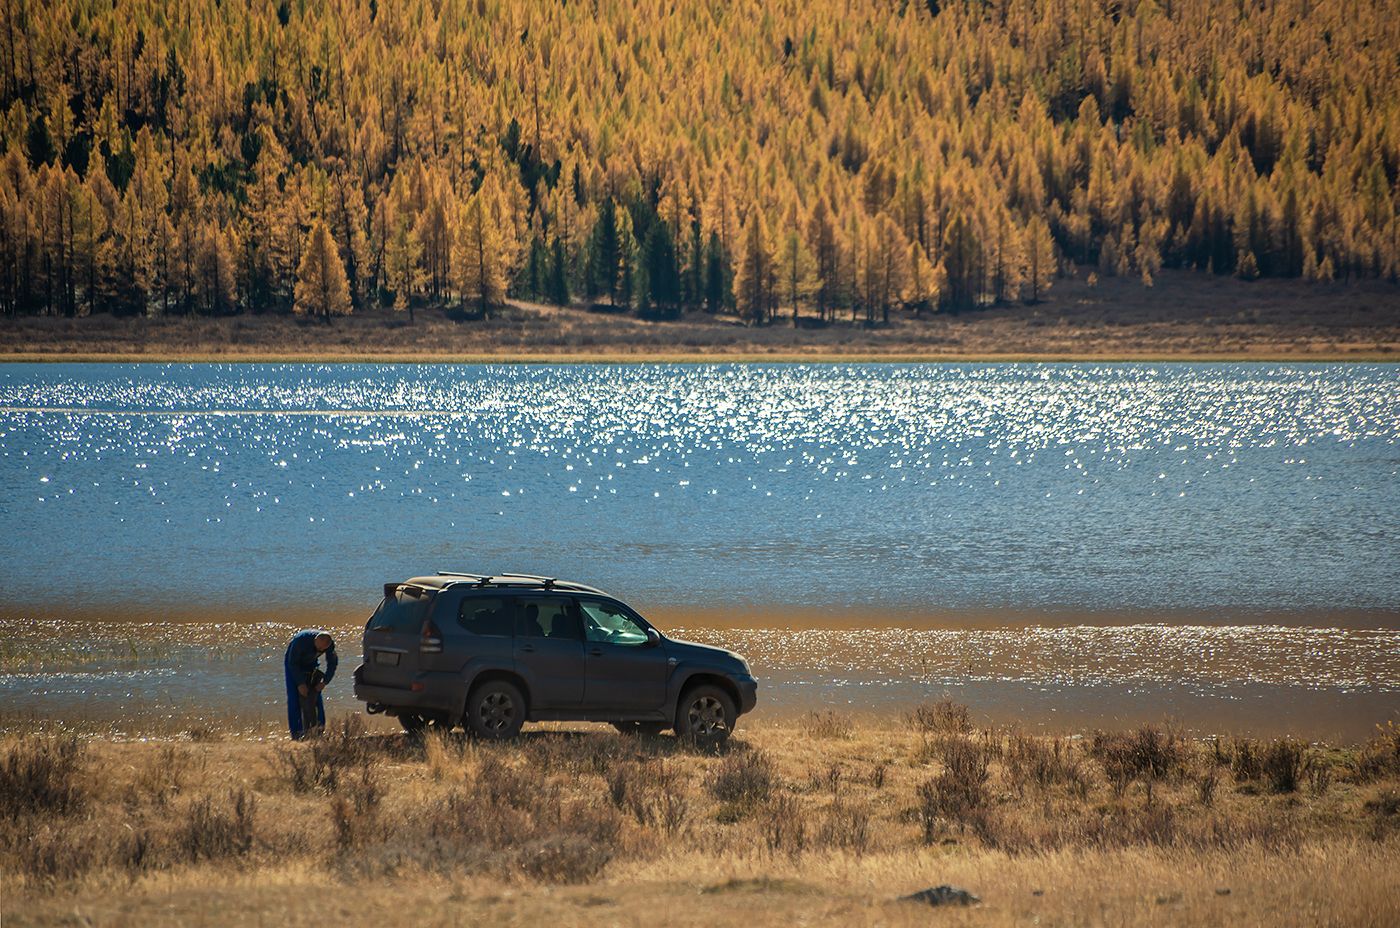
846 826
1380 757
355 812
1205 787
42 775
745 778
1147 754
785 826
959 792
1031 760
1283 765
563 859
942 717
827 724
209 833
1246 761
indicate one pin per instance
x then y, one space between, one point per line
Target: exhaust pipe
374 708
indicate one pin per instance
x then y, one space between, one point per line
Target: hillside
835 160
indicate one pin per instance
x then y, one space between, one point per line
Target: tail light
431 642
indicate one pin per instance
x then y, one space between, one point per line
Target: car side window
545 617
485 615
607 623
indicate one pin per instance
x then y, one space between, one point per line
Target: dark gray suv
492 652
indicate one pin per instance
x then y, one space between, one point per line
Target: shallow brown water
1322 677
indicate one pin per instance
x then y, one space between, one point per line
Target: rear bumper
426 692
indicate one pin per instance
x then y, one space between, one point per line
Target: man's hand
320 686
303 690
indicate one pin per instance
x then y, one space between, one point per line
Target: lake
1194 535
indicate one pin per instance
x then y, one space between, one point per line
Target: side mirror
653 638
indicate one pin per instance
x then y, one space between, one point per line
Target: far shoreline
642 358
1188 316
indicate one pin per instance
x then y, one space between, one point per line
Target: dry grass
1141 827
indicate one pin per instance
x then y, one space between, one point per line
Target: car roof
446 578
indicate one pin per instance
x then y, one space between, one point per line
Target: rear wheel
496 710
648 729
705 714
418 724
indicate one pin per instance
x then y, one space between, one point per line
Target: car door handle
596 652
527 648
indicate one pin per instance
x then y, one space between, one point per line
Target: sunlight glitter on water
1096 486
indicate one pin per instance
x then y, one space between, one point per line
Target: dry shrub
548 840
942 717
1246 761
445 755
1031 760
958 794
846 826
1147 754
1282 763
210 833
52 855
562 859
1319 777
1206 786
1379 757
827 724
319 764
784 826
1385 814
355 812
827 779
42 775
744 778
161 780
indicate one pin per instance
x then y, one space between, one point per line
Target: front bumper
748 694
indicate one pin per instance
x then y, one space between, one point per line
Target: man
304 679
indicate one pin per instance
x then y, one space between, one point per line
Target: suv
492 652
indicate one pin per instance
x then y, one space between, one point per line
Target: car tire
414 724
645 729
495 710
706 715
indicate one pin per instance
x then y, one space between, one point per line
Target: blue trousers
294 704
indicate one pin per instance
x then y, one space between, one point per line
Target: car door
624 670
392 636
549 650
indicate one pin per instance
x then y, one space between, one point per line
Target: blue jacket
302 657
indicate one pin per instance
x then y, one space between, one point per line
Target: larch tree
755 277
322 289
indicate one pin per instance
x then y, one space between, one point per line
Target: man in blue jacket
304 681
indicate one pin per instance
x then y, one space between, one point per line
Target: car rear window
486 615
401 612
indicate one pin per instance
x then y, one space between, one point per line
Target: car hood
690 650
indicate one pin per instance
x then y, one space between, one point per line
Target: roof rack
548 583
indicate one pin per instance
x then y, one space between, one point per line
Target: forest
778 160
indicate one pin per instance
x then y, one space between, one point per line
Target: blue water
928 487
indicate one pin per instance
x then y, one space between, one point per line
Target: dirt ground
1187 315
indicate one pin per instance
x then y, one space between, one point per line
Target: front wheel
495 710
706 714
